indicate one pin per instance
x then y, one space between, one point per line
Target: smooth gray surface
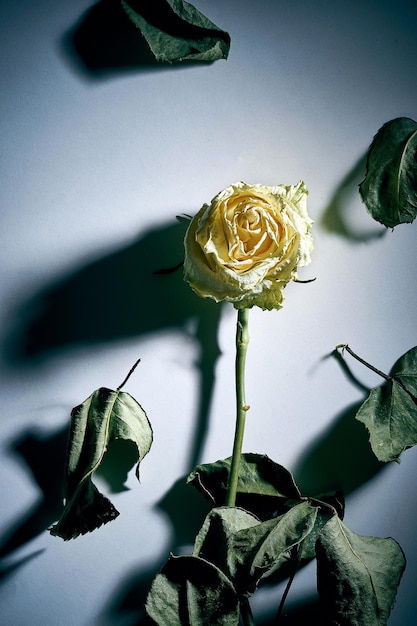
94 169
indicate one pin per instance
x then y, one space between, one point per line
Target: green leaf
189 590
215 536
264 487
105 416
390 186
176 31
250 552
326 507
390 411
259 551
357 576
218 526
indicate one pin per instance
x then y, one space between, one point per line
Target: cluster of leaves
271 532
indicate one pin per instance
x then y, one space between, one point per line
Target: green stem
242 340
288 586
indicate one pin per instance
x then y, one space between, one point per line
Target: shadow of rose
115 297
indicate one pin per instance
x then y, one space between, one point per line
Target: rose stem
242 340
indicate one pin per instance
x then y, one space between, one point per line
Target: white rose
245 246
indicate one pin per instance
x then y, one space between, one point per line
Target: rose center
257 233
249 225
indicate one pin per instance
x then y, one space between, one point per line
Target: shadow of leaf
341 458
186 510
120 457
128 602
307 610
336 219
8 570
44 455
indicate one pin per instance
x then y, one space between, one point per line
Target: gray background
95 165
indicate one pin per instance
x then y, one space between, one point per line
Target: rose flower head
245 246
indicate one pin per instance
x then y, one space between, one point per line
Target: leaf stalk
132 369
345 346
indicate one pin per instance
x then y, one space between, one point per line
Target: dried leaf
176 31
189 590
390 411
357 576
103 417
390 186
248 550
264 487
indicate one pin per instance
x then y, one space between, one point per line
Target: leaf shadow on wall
44 455
115 297
105 43
341 458
336 218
